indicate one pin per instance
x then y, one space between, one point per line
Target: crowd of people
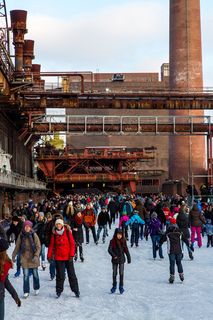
53 230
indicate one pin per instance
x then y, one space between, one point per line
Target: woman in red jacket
5 266
62 250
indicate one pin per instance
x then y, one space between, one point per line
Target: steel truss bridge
119 125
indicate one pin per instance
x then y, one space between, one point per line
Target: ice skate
181 275
121 289
113 289
171 278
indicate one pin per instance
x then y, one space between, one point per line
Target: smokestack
186 154
185 45
18 27
28 57
37 82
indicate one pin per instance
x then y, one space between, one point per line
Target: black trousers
135 234
79 246
61 266
210 240
93 233
115 267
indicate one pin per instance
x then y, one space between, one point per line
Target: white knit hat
59 221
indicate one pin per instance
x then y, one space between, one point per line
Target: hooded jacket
118 249
196 219
62 246
174 238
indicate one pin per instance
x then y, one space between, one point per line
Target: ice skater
118 250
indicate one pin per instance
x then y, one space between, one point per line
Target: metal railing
110 87
122 125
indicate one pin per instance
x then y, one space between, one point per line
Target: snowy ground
148 295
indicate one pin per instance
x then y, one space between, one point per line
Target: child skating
118 250
174 238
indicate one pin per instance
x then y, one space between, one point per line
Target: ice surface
147 296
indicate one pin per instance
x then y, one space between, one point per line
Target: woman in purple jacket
155 231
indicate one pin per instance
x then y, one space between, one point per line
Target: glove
71 259
18 302
34 259
49 260
115 258
129 261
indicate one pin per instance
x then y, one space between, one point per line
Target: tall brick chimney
187 154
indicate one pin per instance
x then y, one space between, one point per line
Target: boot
191 256
171 278
81 258
113 289
114 285
208 242
77 294
17 274
181 275
121 289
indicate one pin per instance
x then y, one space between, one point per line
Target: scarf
24 236
59 232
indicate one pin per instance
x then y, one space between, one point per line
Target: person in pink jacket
122 224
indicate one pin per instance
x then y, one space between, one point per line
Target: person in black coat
103 219
39 228
118 250
174 238
77 231
15 228
182 221
113 209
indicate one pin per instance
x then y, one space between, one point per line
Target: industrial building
132 130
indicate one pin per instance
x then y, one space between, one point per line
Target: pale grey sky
107 35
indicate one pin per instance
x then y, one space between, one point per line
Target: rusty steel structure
178 102
103 164
107 125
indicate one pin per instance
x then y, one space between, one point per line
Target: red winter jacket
62 247
7 267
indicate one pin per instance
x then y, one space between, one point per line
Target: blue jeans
155 241
175 258
42 254
36 283
52 268
2 309
100 228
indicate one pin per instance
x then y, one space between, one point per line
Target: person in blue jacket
135 221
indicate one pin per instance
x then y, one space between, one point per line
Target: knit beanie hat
59 221
28 223
3 245
154 215
41 214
